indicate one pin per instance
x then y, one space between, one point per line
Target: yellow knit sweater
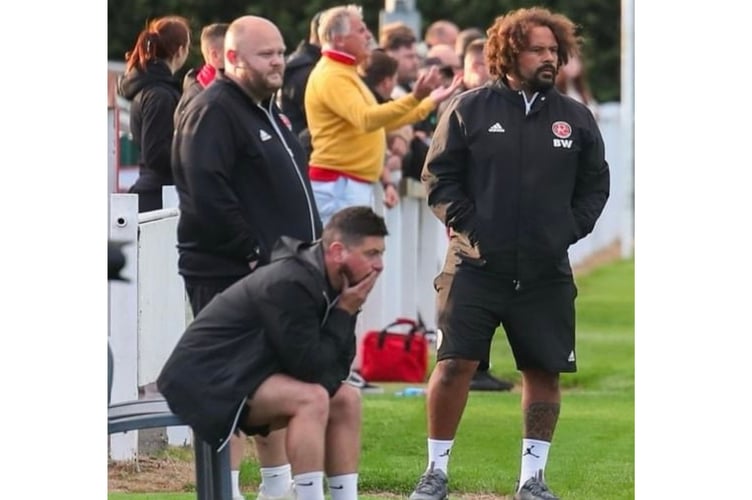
348 127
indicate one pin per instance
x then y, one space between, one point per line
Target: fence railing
149 313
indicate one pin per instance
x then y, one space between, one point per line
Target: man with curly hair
517 172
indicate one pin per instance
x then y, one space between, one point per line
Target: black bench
212 467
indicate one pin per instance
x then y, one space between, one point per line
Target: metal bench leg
204 470
213 479
221 474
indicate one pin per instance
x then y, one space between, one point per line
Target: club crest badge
562 130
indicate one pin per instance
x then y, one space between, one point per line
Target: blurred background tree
599 22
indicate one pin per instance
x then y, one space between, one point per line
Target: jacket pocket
574 229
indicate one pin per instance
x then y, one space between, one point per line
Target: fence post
112 149
627 126
161 301
123 226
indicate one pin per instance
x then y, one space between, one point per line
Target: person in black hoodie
149 83
242 182
517 172
298 67
274 349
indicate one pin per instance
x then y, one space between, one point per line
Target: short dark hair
475 47
352 224
397 35
214 30
379 66
465 38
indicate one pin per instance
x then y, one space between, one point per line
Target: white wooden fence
149 313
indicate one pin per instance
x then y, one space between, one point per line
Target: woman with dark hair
149 83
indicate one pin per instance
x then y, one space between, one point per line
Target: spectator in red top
213 51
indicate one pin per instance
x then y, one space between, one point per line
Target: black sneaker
484 381
535 489
431 486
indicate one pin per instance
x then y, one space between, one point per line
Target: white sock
275 481
309 486
343 487
534 457
438 454
235 475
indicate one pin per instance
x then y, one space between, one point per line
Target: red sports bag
392 356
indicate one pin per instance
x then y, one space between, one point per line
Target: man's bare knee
346 403
313 402
454 370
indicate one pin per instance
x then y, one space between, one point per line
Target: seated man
273 349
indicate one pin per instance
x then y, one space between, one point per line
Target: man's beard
538 83
260 86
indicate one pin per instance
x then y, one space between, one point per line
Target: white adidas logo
571 357
496 127
264 136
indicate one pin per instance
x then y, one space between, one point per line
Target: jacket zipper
270 116
528 108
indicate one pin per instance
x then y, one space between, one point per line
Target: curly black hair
507 37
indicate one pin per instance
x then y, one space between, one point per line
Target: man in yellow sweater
347 126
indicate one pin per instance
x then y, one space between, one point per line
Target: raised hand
427 82
441 94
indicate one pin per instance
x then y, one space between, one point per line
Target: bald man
441 31
242 181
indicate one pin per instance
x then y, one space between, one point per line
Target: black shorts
250 430
202 290
538 319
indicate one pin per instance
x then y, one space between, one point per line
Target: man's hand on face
353 296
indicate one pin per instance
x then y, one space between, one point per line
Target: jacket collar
501 86
341 57
310 253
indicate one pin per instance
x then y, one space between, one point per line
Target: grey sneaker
535 489
287 495
431 486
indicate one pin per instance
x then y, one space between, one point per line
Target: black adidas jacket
242 182
516 188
